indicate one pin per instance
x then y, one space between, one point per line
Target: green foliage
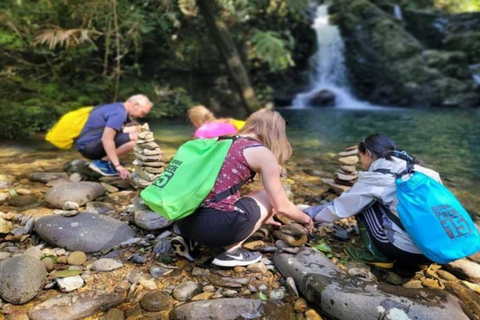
458 6
268 46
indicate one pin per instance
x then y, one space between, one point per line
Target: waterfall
475 69
397 12
328 81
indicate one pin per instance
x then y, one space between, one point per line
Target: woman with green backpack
227 220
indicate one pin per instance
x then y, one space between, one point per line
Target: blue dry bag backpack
435 220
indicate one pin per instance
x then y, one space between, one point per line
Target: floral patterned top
235 169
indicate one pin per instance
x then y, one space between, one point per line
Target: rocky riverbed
73 247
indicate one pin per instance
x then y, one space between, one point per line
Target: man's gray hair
141 99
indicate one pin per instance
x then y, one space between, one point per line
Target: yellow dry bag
64 132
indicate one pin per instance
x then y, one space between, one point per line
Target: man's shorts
95 151
215 229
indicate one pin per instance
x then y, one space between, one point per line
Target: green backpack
189 178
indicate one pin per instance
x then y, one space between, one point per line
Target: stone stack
347 174
148 164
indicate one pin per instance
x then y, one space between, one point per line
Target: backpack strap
229 192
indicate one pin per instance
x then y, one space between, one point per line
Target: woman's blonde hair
269 127
199 115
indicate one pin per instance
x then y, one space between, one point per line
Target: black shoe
238 257
186 248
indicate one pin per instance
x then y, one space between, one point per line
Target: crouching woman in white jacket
374 202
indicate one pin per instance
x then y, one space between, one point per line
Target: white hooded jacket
375 186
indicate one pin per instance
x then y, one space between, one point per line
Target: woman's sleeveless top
235 169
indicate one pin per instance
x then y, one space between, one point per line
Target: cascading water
397 12
328 81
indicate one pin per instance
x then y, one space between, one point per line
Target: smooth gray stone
340 296
75 306
79 192
148 219
187 290
87 232
21 278
47 176
232 309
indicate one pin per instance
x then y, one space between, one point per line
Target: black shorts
95 151
216 229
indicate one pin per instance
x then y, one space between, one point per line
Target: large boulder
21 278
341 296
75 306
232 309
79 192
322 98
87 232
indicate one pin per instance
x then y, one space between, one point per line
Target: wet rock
106 264
322 98
76 258
343 297
5 226
232 309
187 290
155 301
70 284
75 306
465 269
277 294
45 177
115 314
300 305
80 192
21 278
100 207
258 267
148 219
23 201
87 232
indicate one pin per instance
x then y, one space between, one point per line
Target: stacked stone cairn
347 174
148 164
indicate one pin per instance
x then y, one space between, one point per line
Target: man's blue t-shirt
110 115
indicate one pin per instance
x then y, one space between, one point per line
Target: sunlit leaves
268 46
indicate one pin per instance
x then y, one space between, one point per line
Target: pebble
254 245
446 275
300 305
159 272
348 161
239 269
262 288
23 191
203 296
292 288
34 252
393 278
75 177
115 314
69 213
258 267
138 259
413 284
109 188
48 264
60 252
277 294
155 301
123 286
62 260
106 264
77 258
312 315
187 290
209 289
70 284
3 197
229 293
148 284
252 288
70 205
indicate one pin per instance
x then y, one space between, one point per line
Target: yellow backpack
64 132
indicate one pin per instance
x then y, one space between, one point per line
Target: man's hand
124 173
309 225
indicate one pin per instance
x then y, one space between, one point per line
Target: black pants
373 219
215 229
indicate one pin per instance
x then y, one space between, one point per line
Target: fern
269 47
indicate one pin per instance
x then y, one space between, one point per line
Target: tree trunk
221 37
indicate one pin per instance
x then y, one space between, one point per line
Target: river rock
100 207
77 258
232 309
46 177
79 192
148 219
348 161
322 98
155 301
294 229
70 284
258 267
75 306
115 314
465 269
22 200
87 232
5 225
342 297
21 278
106 264
187 290
5 255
